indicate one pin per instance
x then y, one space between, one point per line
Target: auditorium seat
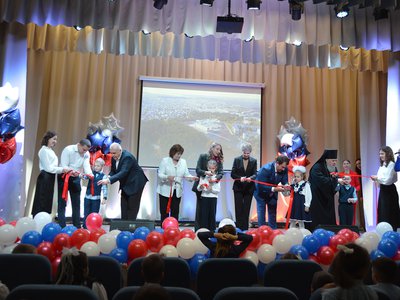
18 269
214 274
255 293
176 293
51 292
295 275
177 272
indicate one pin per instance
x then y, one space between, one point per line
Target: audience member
153 269
322 279
24 248
384 271
4 291
152 291
289 255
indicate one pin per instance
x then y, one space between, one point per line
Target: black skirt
43 200
388 206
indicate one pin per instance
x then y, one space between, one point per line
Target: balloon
8 249
294 235
187 233
256 242
365 243
186 248
105 148
8 235
46 249
299 250
32 237
159 229
13 223
41 219
107 242
94 221
155 241
393 236
96 139
169 251
79 237
337 240
383 227
195 262
325 255
322 235
8 148
373 238
266 253
54 267
25 224
388 247
313 258
70 229
119 255
281 244
264 232
397 256
347 234
9 97
355 235
2 222
137 248
61 240
123 240
305 232
141 233
96 234
115 232
376 254
50 231
226 221
272 236
10 123
261 269
171 236
311 243
91 249
252 256
170 222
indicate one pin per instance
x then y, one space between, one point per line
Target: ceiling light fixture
342 10
207 2
344 48
248 40
296 8
297 43
159 4
229 23
77 28
145 32
254 4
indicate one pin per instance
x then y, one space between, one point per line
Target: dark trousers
175 202
208 210
197 215
346 213
74 188
43 200
90 206
272 205
130 205
242 209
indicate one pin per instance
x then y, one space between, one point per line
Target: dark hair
24 248
282 159
350 265
289 255
47 136
175 149
319 279
153 268
385 269
223 246
85 142
152 291
389 155
73 269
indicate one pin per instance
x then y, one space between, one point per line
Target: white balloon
295 236
90 248
373 238
252 256
365 243
8 249
305 232
169 251
107 243
266 253
201 230
115 232
281 244
106 132
186 248
199 246
24 225
8 235
226 221
383 227
43 218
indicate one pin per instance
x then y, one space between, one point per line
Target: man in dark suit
244 169
273 173
125 169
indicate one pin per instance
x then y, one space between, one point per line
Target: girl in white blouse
48 165
388 201
171 172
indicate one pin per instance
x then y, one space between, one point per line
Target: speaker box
126 225
337 228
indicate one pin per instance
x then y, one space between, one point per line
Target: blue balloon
105 148
330 233
195 262
32 237
299 250
10 123
123 240
278 256
391 235
260 269
323 236
141 233
311 243
376 254
388 247
119 254
70 229
50 231
238 230
159 229
96 139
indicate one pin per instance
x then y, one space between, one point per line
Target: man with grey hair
125 169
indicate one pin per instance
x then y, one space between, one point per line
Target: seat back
255 293
177 272
295 275
18 269
176 293
51 291
214 274
107 271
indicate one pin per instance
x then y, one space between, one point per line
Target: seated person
24 249
153 269
384 271
152 291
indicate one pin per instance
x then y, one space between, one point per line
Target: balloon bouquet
10 121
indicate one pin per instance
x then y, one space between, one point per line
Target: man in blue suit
125 169
273 173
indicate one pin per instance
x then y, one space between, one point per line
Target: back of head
350 265
223 245
289 255
73 268
384 270
153 268
24 249
152 291
320 279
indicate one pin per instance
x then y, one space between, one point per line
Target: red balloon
7 149
264 232
13 223
347 234
273 235
54 267
2 222
60 241
337 240
79 237
96 234
325 255
256 242
170 222
137 248
171 236
188 233
397 256
46 249
313 258
94 221
154 241
355 235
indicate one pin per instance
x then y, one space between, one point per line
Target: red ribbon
169 201
341 174
66 177
289 212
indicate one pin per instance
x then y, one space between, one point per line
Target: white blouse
48 161
306 192
386 174
179 171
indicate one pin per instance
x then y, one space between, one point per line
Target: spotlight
248 40
296 8
188 36
344 48
159 4
77 28
145 32
380 13
253 4
342 11
296 43
206 2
